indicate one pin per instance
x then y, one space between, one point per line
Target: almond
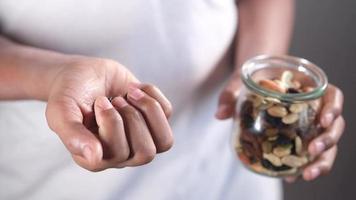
270 85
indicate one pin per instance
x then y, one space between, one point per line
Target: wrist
29 72
48 70
40 79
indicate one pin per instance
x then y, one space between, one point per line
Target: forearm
265 27
26 72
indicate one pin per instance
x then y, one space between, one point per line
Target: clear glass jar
277 113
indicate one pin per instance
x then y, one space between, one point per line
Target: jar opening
269 67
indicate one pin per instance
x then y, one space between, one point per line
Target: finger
143 149
156 94
111 132
332 108
156 120
322 165
329 138
65 118
228 98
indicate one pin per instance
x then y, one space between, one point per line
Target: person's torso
175 44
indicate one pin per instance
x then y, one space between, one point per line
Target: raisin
246 108
246 117
283 140
248 149
268 165
292 91
290 133
293 150
273 121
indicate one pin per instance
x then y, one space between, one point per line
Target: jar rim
300 64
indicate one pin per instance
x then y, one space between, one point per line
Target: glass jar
277 114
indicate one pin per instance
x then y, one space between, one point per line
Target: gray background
325 33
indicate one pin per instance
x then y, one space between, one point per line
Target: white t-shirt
175 44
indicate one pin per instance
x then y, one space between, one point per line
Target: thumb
65 119
228 97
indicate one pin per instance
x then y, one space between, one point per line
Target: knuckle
71 143
337 109
149 87
166 144
339 92
169 109
326 168
340 97
150 105
343 122
145 155
166 105
227 96
123 155
336 149
329 140
111 116
132 113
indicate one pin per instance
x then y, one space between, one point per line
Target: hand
228 97
324 147
101 134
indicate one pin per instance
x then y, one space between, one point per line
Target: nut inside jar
274 134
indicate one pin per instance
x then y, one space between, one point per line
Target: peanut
290 118
294 161
282 151
277 111
286 78
273 138
298 145
272 100
273 159
297 108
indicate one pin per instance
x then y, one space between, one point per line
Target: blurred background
325 33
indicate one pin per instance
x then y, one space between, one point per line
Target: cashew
273 159
277 111
290 118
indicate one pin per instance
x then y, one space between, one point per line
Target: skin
99 134
274 18
132 128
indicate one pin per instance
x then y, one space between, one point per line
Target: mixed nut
274 135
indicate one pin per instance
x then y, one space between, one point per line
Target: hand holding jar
288 119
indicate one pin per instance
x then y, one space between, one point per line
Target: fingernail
119 102
327 119
313 173
318 148
136 94
87 153
104 103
